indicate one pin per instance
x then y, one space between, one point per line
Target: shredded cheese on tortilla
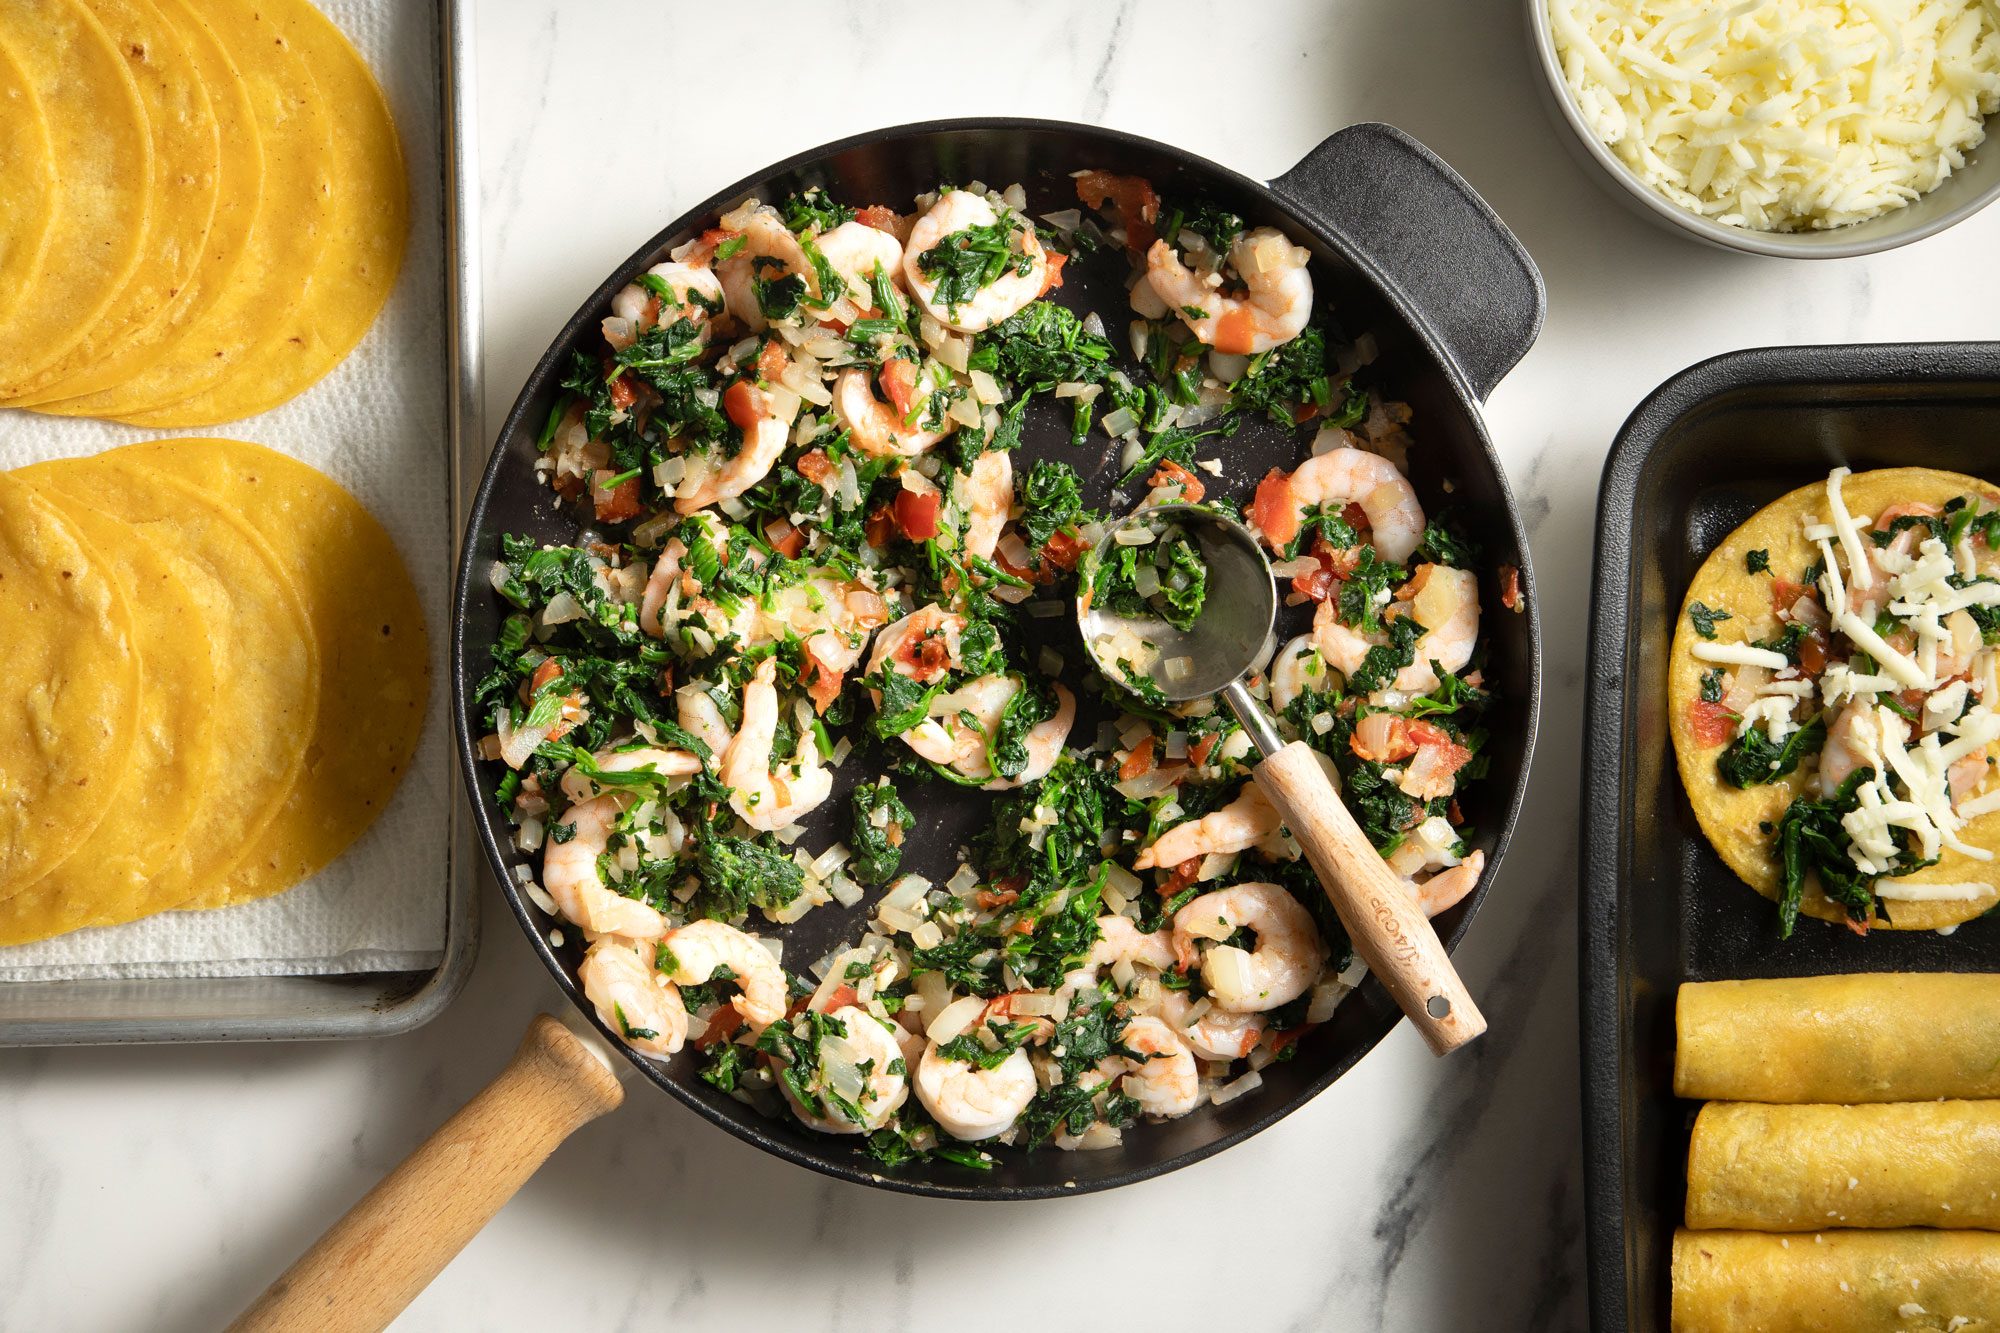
1784 115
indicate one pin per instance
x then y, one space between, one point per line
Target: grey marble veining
162 1188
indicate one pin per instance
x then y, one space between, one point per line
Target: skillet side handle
1431 238
374 1261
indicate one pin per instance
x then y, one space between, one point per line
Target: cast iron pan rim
1601 1011
838 1159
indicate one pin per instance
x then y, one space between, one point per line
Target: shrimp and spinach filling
1839 673
818 591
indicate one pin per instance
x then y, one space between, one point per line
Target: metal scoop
1215 656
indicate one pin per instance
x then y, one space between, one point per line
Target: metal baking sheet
361 1004
1710 447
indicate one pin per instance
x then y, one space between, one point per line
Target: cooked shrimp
1442 891
769 251
1218 1034
1867 600
692 294
857 1076
1281 968
1236 827
1333 480
762 799
1447 608
765 431
1956 658
987 493
1854 741
854 250
661 584
645 758
1024 278
971 1103
699 715
698 950
571 876
1277 299
923 645
632 998
1166 1082
1119 941
1044 743
1296 669
878 428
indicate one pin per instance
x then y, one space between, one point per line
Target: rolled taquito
1871 1037
1889 1164
1916 1281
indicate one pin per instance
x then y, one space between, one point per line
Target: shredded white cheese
1740 654
1783 115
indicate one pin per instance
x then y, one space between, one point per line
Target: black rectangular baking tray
1704 451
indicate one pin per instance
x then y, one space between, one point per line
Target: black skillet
1403 250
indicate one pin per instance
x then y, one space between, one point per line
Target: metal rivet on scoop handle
1228 638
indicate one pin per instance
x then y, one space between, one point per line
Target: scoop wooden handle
1386 926
372 1263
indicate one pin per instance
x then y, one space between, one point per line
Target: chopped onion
1229 1092
1179 668
954 1018
955 353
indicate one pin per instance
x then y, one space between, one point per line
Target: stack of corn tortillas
203 206
219 675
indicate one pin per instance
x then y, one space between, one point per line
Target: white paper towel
377 425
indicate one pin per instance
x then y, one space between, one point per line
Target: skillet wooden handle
1387 927
372 1263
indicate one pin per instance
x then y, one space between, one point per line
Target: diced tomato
1711 723
899 385
816 467
1171 473
1199 752
1063 550
838 998
623 395
1132 196
917 514
1314 585
1455 815
880 527
1236 332
1784 592
1812 654
822 685
1357 517
1052 272
988 899
772 360
743 403
785 539
617 503
1272 511
1182 876
722 1025
1304 412
1858 927
880 217
1280 1040
1510 587
933 655
549 670
1382 738
1137 761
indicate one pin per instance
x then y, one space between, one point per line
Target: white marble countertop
162 1188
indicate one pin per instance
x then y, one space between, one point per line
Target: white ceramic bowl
1969 189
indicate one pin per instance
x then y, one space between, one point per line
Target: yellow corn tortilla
69 697
1732 817
105 171
294 214
138 860
238 194
27 183
1906 1281
373 653
187 153
268 659
364 249
1867 1037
